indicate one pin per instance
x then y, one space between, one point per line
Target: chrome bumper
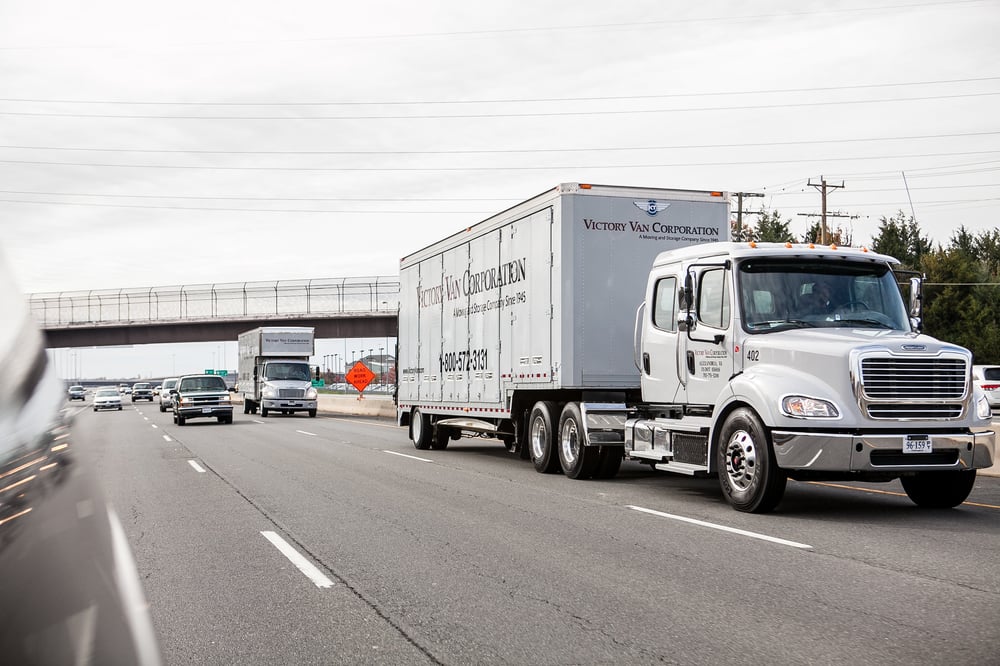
288 403
881 453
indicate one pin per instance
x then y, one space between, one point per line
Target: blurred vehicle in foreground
77 392
69 589
107 398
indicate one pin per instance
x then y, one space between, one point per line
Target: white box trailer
274 370
539 300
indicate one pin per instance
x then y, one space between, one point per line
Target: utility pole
739 208
823 186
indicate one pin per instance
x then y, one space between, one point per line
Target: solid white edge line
166 438
311 434
198 468
303 565
733 530
256 421
403 455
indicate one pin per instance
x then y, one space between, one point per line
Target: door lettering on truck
464 361
753 355
710 362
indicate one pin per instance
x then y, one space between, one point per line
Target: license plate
917 444
206 410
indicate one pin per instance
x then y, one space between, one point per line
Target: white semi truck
274 370
592 324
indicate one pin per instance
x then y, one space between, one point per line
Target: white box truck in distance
274 370
595 323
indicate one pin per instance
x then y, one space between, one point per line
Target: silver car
167 400
107 398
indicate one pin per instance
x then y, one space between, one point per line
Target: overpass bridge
335 307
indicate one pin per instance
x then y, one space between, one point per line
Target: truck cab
762 362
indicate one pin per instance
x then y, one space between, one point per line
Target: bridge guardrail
216 301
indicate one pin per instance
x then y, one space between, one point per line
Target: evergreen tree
900 237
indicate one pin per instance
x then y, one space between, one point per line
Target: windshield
202 384
291 371
105 393
782 294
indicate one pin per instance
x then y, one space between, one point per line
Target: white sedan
107 398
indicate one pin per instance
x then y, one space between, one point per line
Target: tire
246 407
95 409
263 412
220 419
541 438
119 408
441 438
312 413
748 473
181 420
421 430
939 490
578 461
610 462
162 408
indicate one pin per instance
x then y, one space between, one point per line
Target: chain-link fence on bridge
210 301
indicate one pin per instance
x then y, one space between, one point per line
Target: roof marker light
811 246
752 244
833 246
788 245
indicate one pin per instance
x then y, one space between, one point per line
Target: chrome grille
913 379
291 393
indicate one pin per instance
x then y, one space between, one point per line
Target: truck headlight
983 408
310 394
801 407
269 392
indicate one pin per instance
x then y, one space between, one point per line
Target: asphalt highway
333 541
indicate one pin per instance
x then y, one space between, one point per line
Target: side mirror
916 302
232 389
173 391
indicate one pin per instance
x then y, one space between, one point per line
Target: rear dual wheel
578 461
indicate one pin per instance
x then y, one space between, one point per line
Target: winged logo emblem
651 206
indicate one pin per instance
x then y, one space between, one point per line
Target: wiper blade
862 322
782 324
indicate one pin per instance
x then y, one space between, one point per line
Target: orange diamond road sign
360 376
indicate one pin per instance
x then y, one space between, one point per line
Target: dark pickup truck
142 391
201 396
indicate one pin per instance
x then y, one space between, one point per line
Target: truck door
660 349
526 299
707 363
478 357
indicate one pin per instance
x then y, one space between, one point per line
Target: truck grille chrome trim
891 387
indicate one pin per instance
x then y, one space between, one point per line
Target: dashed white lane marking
311 434
155 426
198 468
403 455
166 438
723 528
303 565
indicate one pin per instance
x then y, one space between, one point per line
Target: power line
562 167
505 151
539 114
646 24
88 204
608 98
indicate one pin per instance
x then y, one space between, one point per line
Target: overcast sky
201 142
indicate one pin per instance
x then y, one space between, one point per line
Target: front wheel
748 473
263 412
162 408
578 461
939 490
312 413
541 437
181 420
421 430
